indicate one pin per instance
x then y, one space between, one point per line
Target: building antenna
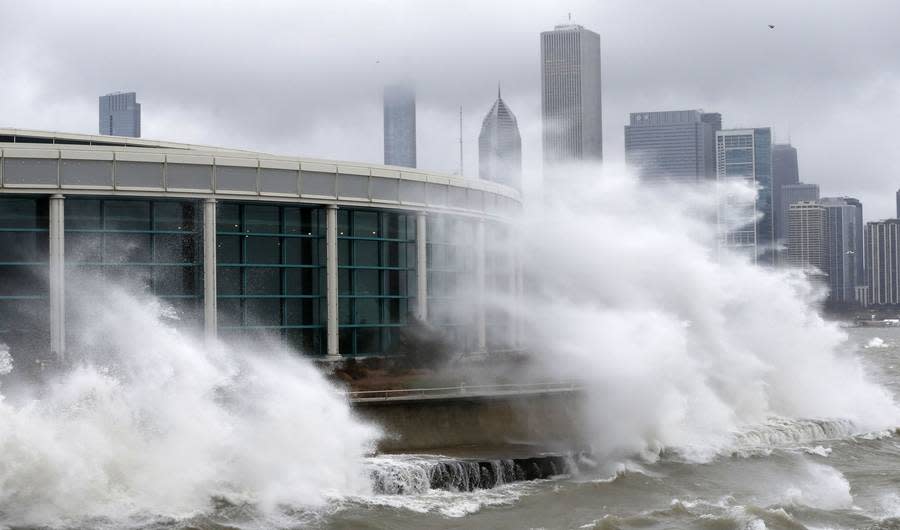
570 17
789 132
460 143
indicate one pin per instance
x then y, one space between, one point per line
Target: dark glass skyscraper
676 145
500 146
120 114
785 171
400 126
570 96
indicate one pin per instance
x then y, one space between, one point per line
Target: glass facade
153 245
24 259
451 279
271 272
376 279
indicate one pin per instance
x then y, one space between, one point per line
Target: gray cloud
305 78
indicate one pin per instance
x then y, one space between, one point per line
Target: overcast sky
305 78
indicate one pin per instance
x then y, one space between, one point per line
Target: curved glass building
335 258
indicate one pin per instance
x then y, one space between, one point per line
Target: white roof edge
153 147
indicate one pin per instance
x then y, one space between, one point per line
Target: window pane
262 280
126 215
365 224
367 311
366 282
262 219
365 253
264 250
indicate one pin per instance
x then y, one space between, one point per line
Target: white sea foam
151 421
877 342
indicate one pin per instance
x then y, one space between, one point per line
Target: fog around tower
306 79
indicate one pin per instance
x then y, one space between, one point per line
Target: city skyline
339 118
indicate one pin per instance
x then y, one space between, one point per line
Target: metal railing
461 391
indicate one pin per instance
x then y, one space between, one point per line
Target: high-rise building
843 247
806 237
400 125
570 96
673 145
745 224
500 146
883 259
790 194
785 172
120 114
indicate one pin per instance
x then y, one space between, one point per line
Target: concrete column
331 282
422 267
210 312
57 277
480 284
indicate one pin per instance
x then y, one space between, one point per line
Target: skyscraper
570 96
120 114
677 145
790 194
745 156
843 247
806 237
500 146
784 172
399 126
883 259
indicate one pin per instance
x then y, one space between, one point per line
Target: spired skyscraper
570 96
120 114
745 156
500 146
675 145
399 125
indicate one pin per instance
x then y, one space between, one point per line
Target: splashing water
877 342
151 424
679 346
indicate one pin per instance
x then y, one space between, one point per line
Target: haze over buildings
676 145
571 106
400 125
120 115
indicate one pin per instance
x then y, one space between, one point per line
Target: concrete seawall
546 420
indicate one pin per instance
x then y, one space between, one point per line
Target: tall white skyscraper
570 96
500 146
400 125
120 114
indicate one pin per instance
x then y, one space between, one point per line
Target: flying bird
771 26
